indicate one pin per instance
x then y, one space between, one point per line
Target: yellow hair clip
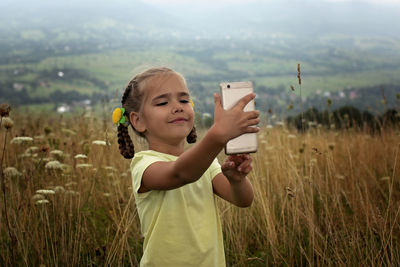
119 116
191 102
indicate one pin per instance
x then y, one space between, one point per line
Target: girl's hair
132 101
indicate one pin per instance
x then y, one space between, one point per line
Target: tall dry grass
323 198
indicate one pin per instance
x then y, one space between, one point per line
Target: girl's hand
236 167
231 123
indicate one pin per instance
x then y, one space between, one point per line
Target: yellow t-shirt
181 227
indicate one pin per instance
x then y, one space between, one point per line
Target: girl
173 188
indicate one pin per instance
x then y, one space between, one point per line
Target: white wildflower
280 123
71 192
45 192
7 123
32 149
106 194
109 168
25 155
38 137
269 126
292 136
59 189
21 140
80 156
99 142
42 202
42 160
54 165
11 172
68 132
84 165
57 153
37 197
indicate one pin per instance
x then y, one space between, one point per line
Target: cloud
224 2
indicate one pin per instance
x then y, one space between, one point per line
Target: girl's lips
177 120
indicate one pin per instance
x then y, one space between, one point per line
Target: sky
186 2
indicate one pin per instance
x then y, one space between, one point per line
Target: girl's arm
232 184
191 164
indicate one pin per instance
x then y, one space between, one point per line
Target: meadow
322 198
42 74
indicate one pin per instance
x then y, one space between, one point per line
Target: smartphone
231 93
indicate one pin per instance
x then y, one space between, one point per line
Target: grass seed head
5 110
8 123
11 172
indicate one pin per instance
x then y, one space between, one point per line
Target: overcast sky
186 2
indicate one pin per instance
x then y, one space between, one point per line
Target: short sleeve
138 166
214 168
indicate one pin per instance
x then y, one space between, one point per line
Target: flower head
11 172
8 123
37 197
45 192
42 202
84 166
57 153
99 142
59 189
80 156
4 110
21 140
54 165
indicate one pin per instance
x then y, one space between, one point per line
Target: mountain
258 19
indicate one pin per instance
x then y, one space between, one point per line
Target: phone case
231 93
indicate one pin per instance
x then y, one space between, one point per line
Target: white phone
231 93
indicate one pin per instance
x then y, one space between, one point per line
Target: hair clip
119 116
191 102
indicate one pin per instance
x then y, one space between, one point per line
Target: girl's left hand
236 167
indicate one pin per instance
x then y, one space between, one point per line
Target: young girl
173 188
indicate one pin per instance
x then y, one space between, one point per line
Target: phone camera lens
229 86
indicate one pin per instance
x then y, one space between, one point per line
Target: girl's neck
170 149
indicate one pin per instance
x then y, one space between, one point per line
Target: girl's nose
177 108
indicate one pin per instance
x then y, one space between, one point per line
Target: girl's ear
137 122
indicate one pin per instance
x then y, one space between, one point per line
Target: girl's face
166 115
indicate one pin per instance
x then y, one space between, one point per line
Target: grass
325 198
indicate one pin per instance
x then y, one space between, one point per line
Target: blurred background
68 55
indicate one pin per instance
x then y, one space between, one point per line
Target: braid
128 89
125 142
192 137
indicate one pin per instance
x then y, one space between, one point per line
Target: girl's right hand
233 122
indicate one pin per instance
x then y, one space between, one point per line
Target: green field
272 67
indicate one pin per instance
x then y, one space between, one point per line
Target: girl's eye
161 104
184 101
